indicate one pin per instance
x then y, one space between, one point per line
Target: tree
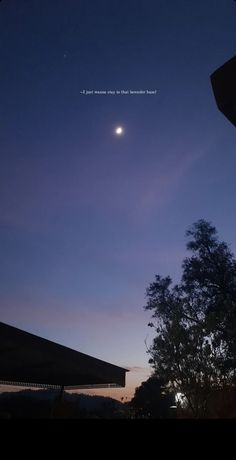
150 401
194 349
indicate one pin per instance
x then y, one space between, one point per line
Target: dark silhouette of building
223 82
29 360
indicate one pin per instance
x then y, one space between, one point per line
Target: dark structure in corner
223 82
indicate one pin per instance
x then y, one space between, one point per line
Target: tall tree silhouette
194 349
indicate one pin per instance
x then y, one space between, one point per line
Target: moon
119 130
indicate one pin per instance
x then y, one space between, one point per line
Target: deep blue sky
86 218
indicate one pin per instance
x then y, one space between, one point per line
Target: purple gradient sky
86 218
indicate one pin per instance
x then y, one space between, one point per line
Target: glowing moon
119 130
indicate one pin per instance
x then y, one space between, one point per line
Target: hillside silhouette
44 404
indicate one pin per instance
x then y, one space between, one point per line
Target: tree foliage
195 321
151 401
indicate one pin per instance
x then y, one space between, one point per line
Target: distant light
119 130
179 397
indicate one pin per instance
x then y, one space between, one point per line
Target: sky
87 218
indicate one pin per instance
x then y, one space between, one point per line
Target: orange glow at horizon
134 378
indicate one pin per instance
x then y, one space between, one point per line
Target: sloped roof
28 359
